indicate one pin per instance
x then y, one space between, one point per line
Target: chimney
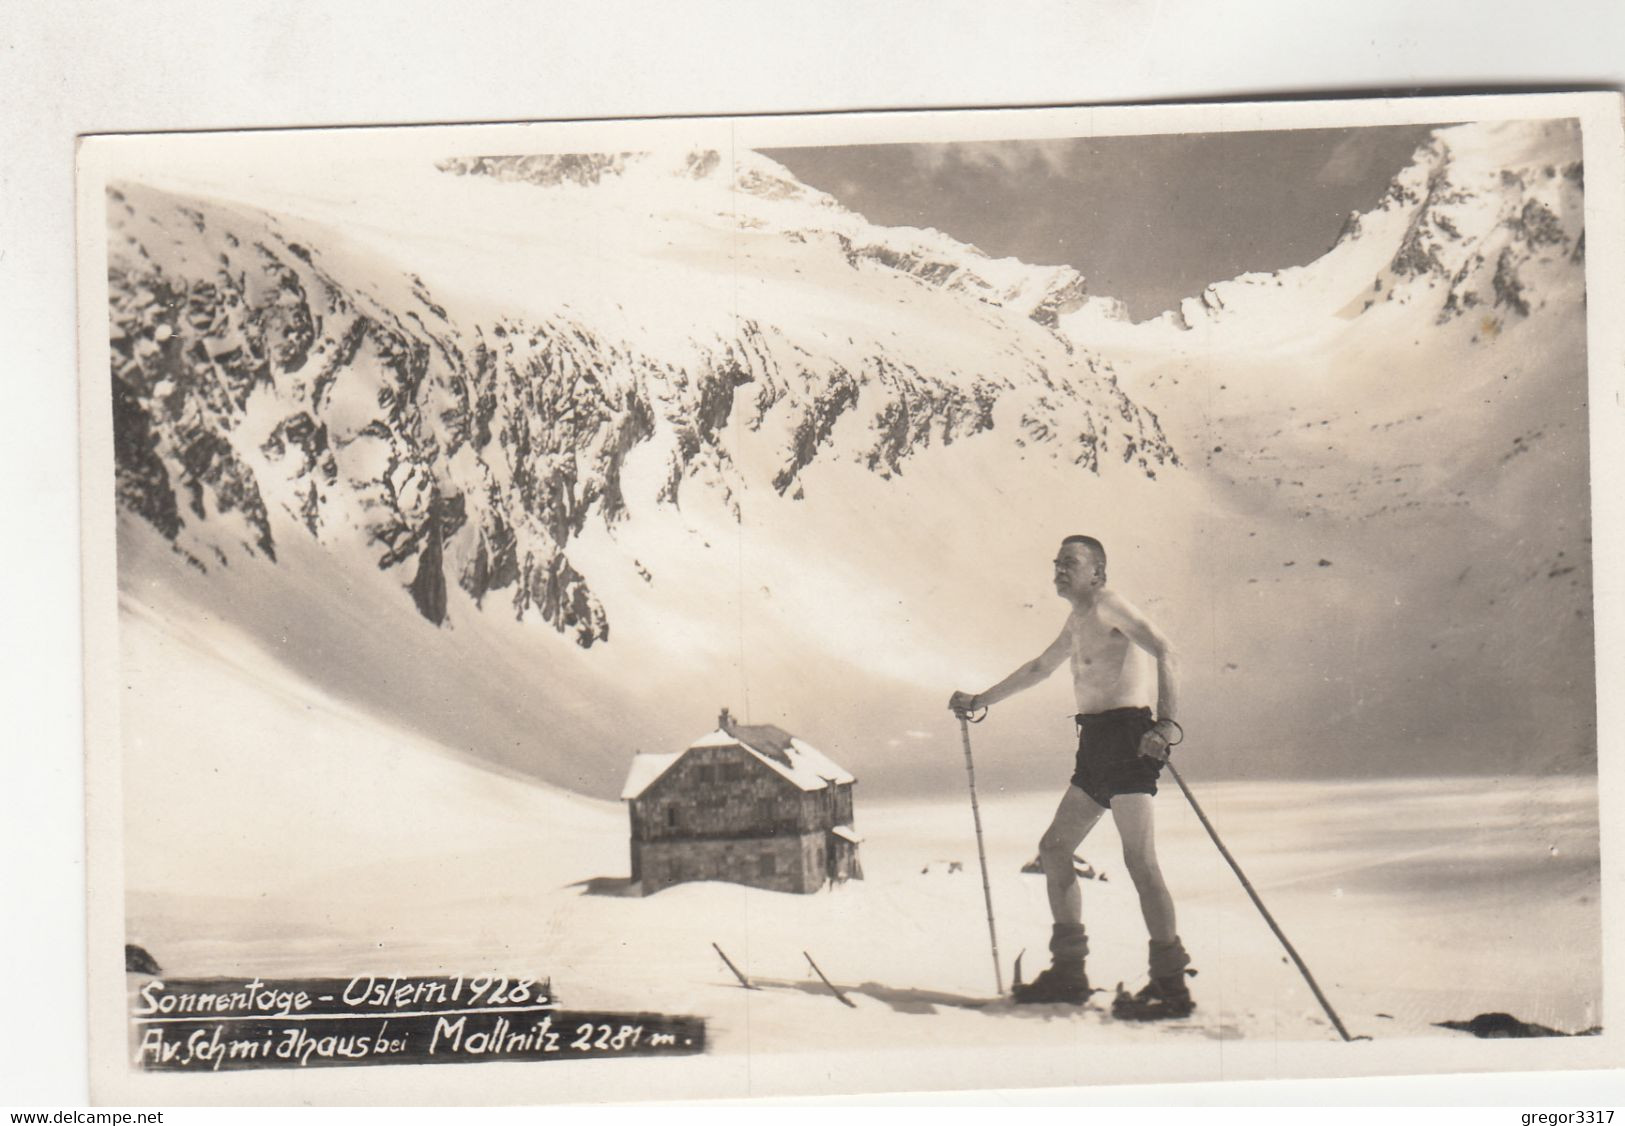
726 721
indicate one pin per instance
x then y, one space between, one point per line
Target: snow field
260 842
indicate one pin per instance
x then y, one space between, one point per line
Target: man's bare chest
1094 643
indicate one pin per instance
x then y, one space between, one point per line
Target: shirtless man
1120 753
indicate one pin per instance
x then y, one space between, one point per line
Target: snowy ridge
759 194
1485 218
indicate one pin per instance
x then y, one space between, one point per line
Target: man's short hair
1095 547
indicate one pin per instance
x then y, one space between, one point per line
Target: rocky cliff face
1485 218
1487 235
268 380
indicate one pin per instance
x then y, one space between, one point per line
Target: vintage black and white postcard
729 607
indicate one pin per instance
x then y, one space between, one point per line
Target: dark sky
1149 220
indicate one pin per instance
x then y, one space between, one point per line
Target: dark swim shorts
1109 760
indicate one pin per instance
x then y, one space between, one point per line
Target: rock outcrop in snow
267 377
1485 219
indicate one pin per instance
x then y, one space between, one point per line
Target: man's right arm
1029 674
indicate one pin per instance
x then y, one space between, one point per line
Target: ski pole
981 854
1259 903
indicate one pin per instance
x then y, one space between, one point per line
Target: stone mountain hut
750 804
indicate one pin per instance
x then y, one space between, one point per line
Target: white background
78 67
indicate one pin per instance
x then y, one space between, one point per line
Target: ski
743 980
833 988
1125 1006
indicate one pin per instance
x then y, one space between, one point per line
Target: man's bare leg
1136 826
1074 817
1065 981
1166 995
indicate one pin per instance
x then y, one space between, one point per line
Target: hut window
671 816
708 774
767 866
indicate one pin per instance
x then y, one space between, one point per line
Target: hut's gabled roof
765 739
801 763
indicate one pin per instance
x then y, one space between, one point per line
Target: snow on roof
808 759
791 758
846 834
645 769
717 738
764 738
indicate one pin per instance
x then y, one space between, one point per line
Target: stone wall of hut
782 863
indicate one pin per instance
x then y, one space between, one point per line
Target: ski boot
1064 983
1165 998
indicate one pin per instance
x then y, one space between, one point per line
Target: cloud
1353 158
1345 161
1012 157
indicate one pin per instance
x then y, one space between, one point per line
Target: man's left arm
1134 625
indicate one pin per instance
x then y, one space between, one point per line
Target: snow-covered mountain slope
1395 440
259 366
528 451
585 402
